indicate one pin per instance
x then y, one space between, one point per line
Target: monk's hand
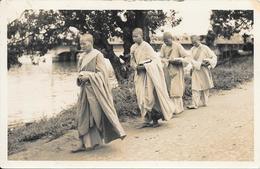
79 82
140 68
175 62
84 76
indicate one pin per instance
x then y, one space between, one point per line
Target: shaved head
87 37
86 42
167 35
167 38
137 35
195 37
138 31
195 40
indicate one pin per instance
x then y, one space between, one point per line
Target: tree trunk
127 39
141 22
122 71
107 49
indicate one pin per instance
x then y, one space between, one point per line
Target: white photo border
9 6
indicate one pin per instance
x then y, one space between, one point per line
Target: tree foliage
228 22
44 29
34 31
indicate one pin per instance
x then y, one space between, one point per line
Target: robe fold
150 86
201 75
174 74
97 117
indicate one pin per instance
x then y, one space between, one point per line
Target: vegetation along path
221 131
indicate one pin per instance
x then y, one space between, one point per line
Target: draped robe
97 117
174 74
150 86
201 75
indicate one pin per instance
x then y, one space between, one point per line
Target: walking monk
203 60
97 117
151 91
173 55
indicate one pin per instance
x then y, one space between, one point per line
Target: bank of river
36 91
223 131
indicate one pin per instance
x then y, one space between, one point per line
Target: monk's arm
133 63
79 62
100 69
184 54
163 57
79 82
212 57
196 64
149 51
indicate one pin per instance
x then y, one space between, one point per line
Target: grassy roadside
226 77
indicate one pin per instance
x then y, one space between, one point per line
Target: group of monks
159 85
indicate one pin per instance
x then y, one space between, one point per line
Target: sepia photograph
172 83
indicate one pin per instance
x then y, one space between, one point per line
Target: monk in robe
173 57
203 59
97 118
151 90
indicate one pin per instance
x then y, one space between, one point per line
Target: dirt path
221 131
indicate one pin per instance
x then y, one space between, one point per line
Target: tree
210 38
41 30
148 20
228 22
108 23
34 31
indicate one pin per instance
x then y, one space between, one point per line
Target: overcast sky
196 15
193 22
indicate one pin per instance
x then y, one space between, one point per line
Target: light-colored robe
97 117
201 75
111 74
174 74
150 87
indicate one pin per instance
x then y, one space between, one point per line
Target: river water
36 91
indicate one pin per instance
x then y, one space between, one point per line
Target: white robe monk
203 60
173 69
151 91
97 118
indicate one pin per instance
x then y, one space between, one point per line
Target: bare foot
144 125
155 124
122 137
192 107
92 148
79 149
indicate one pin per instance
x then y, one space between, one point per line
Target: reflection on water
43 90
